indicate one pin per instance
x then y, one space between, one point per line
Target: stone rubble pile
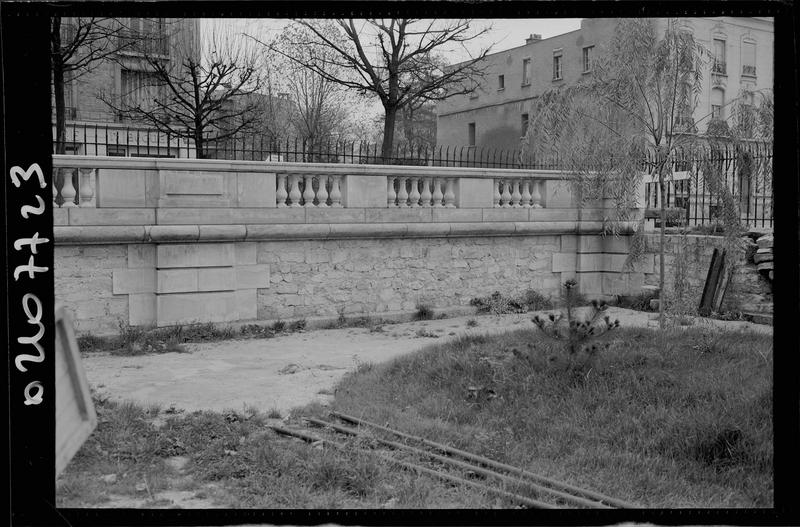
763 258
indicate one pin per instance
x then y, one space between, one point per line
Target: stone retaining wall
691 255
179 283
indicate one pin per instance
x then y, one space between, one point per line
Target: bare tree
319 105
396 60
196 92
78 46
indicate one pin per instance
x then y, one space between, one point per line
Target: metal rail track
523 500
538 489
550 485
514 479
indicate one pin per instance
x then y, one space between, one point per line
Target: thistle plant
574 331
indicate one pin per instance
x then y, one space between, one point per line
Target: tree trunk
199 145
388 133
58 85
662 297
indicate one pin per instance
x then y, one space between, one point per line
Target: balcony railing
749 70
144 43
719 67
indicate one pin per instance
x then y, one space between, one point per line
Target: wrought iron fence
701 179
142 141
743 171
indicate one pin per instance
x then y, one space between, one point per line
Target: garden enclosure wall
175 241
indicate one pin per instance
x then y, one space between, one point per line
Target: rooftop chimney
533 38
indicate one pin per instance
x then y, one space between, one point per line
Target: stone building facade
497 113
91 123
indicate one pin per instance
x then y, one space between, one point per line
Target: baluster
322 192
505 197
294 193
516 196
336 194
449 193
402 193
280 193
413 197
536 195
68 190
86 187
425 197
391 195
55 191
308 192
526 194
438 196
496 195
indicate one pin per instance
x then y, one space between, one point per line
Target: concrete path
294 369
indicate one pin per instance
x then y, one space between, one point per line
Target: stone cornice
218 165
79 235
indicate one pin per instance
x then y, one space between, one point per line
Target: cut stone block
256 189
765 257
365 191
141 255
141 280
189 308
563 262
765 266
765 242
196 255
216 279
176 280
252 276
474 193
121 187
142 309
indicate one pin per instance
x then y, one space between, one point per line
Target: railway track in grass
455 466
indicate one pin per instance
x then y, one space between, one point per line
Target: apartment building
93 127
496 115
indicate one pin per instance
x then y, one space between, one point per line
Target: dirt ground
294 369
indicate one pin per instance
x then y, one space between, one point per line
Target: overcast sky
505 32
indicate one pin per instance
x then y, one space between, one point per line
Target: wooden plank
722 286
76 418
712 279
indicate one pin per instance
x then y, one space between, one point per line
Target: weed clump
424 312
498 304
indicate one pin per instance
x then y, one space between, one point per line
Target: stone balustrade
174 241
169 183
75 187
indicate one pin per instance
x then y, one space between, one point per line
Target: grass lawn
676 421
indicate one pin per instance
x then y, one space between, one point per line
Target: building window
471 134
144 35
140 89
526 72
557 66
749 59
587 58
501 82
524 123
717 104
718 64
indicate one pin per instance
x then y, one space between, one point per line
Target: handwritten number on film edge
34 391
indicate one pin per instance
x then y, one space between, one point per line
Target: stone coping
100 234
221 165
